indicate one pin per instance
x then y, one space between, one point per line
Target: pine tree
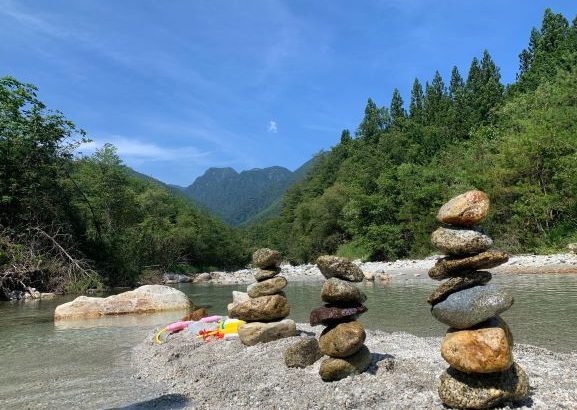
346 137
435 100
457 84
417 98
397 111
374 121
527 56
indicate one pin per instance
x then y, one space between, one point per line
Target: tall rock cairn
343 338
266 307
478 345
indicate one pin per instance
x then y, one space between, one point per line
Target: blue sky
179 86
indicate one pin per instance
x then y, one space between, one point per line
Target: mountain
239 197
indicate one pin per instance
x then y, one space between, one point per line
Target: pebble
460 241
482 391
469 307
338 291
466 209
486 348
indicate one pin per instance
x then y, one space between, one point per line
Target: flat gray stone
338 291
466 308
467 280
460 241
338 267
266 287
303 353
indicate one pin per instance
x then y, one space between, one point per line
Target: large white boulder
145 299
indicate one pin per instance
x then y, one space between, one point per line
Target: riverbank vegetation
374 195
71 222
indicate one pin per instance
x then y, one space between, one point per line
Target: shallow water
86 364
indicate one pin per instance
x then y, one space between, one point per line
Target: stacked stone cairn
343 338
478 346
266 306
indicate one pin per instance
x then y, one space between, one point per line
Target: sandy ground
403 375
520 264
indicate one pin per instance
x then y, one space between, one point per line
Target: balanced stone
482 391
486 348
467 280
338 291
257 332
451 266
342 268
264 308
303 353
264 274
469 307
266 258
465 210
329 315
342 340
267 287
460 241
333 369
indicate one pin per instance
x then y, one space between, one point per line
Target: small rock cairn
478 346
344 337
266 306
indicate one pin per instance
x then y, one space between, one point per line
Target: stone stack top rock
338 267
466 209
266 258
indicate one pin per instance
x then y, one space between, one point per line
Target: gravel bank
407 268
403 375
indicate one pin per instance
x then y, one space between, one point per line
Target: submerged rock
467 280
333 368
328 315
145 299
338 291
450 267
266 258
261 309
483 391
459 241
303 353
466 209
267 287
257 332
342 268
342 340
466 308
486 348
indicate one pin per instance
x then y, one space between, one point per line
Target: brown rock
258 332
267 287
328 315
485 348
465 281
303 353
338 291
466 209
451 266
261 309
342 340
483 391
195 315
333 369
264 274
342 268
266 258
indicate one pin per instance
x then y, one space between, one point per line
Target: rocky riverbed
403 374
402 269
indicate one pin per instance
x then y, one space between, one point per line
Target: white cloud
134 149
272 127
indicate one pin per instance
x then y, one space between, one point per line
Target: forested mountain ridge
238 197
374 194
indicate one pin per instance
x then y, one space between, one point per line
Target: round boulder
459 241
483 391
342 340
466 209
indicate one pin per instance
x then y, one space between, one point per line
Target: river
87 364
